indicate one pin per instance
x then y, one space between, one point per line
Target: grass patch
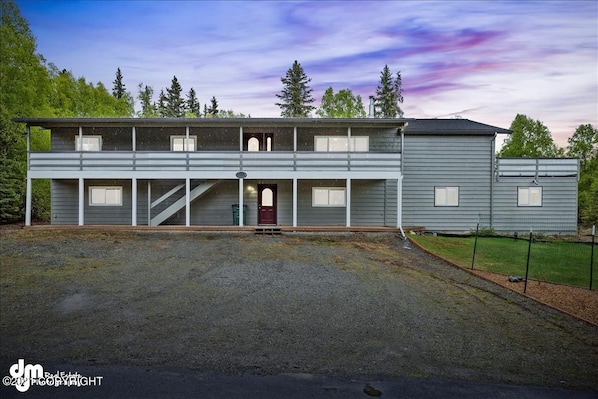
555 262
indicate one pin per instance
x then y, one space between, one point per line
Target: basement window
446 196
105 196
529 196
328 197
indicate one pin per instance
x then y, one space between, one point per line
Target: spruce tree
389 94
118 90
174 100
162 102
296 95
192 105
212 111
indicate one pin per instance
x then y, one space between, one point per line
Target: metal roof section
408 125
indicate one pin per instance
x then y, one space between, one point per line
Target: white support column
28 193
241 202
294 202
28 204
348 200
400 202
241 138
134 202
134 139
81 201
187 202
295 139
149 203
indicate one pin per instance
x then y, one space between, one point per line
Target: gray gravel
338 305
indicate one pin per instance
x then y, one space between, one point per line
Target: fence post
475 243
529 249
592 256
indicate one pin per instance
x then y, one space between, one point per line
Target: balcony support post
81 201
134 202
28 193
294 202
187 202
241 202
348 202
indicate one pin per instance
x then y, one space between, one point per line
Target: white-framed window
328 197
529 196
105 196
88 143
446 196
177 143
341 143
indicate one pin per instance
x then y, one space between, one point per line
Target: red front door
266 204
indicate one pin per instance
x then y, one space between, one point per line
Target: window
105 196
328 196
529 196
340 143
177 143
88 143
446 196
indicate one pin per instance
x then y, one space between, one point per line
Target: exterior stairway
195 193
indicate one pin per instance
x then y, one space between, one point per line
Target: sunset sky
482 60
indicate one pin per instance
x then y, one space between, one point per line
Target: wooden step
268 231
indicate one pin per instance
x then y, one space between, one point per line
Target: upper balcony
205 161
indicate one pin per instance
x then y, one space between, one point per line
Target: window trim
105 188
446 190
528 189
328 204
353 143
78 146
184 137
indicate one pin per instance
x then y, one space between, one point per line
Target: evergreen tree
389 94
296 95
530 138
212 111
192 105
341 105
118 90
162 102
174 100
148 108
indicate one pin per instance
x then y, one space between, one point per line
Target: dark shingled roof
410 125
451 126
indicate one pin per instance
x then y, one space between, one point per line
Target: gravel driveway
343 305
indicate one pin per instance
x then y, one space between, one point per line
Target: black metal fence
530 255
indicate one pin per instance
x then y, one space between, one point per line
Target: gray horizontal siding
446 161
558 213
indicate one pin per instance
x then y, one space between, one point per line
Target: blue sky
481 60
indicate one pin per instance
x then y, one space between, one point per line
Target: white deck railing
213 161
536 167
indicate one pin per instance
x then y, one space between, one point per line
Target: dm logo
24 374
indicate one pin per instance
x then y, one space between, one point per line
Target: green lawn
556 262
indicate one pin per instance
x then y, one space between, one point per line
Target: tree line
32 87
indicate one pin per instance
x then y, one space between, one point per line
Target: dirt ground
342 304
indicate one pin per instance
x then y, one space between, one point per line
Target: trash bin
236 215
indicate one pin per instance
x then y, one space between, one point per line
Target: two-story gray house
436 174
